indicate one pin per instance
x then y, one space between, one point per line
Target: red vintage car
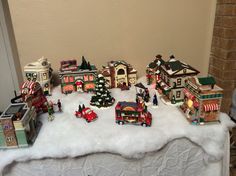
86 113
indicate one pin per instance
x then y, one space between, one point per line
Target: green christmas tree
102 97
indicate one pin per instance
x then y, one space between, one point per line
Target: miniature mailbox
202 100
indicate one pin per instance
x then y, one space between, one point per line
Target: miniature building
18 126
119 73
77 78
41 72
32 94
153 70
202 100
132 112
173 74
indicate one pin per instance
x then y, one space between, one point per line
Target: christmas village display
41 72
174 81
77 78
119 74
202 100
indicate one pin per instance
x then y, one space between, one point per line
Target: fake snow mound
68 136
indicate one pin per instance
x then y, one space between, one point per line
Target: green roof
207 80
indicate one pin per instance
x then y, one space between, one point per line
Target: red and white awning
211 107
188 94
31 86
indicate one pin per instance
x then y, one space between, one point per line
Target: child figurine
155 101
59 105
50 112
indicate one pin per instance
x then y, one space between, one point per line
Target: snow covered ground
68 136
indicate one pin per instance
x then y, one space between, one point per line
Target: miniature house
202 100
119 73
32 94
41 72
173 74
153 70
77 78
18 126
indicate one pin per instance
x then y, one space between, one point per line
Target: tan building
41 72
118 73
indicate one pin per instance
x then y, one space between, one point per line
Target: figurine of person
146 95
233 107
50 113
155 101
59 105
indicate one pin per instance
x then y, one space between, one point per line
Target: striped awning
211 107
31 86
188 94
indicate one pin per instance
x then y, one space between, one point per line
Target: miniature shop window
120 72
85 77
66 79
90 77
45 76
72 79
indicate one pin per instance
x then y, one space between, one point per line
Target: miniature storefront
202 100
153 70
119 73
18 126
173 74
77 78
41 72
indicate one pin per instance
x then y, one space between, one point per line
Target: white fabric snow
68 136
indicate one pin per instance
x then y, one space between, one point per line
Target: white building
41 72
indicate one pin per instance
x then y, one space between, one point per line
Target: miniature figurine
50 112
119 74
86 113
41 72
134 113
59 105
76 78
19 126
153 70
146 95
155 101
202 100
102 97
140 92
173 74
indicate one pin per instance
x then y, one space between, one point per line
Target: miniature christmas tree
102 97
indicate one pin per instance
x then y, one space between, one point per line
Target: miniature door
79 86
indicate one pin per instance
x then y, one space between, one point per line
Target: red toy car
86 113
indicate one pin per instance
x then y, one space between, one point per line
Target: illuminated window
178 94
71 79
179 81
45 76
85 77
66 79
90 77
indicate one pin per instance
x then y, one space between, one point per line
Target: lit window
91 77
85 77
45 76
178 94
66 79
71 79
179 81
